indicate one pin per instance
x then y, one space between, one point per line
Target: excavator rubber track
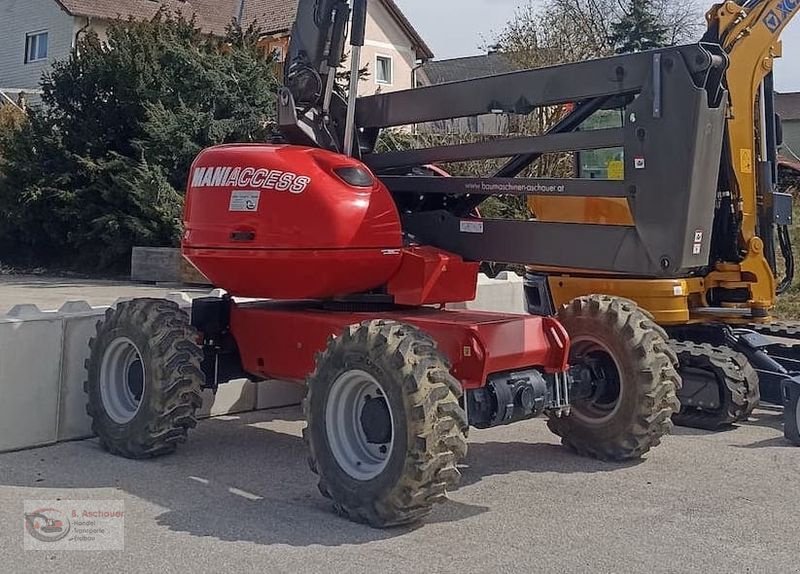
782 329
736 380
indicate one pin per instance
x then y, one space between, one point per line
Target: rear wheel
630 381
385 431
791 413
144 378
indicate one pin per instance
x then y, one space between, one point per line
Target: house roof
274 16
469 68
212 15
788 105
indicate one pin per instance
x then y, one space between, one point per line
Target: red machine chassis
280 340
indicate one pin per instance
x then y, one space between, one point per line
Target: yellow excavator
717 314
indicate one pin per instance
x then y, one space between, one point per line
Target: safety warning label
244 200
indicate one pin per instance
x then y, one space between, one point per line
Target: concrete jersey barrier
42 368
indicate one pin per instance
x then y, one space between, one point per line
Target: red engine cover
276 221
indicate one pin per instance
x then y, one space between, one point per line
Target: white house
36 33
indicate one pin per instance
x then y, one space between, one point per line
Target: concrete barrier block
29 381
42 356
74 307
234 397
73 422
25 311
181 298
276 394
505 294
156 264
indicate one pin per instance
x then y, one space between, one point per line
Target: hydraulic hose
785 243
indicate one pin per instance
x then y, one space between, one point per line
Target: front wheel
385 431
629 393
144 378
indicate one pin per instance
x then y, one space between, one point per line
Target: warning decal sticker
244 200
471 226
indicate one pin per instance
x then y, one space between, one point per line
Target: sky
456 28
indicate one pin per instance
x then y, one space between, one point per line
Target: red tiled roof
212 15
274 16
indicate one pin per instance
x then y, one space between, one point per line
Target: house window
278 53
383 70
36 47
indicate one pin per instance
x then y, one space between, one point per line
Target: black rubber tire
171 360
648 380
791 419
735 378
430 426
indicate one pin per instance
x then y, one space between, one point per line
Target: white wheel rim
586 344
122 380
355 454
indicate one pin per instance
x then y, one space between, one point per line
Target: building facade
788 108
36 33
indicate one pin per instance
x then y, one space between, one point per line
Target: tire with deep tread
647 378
791 417
430 425
172 368
736 379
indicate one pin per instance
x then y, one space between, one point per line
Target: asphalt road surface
238 497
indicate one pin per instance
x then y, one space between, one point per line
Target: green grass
788 306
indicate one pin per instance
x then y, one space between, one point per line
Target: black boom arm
310 111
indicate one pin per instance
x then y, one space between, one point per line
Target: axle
511 397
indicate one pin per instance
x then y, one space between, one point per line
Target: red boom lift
347 301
